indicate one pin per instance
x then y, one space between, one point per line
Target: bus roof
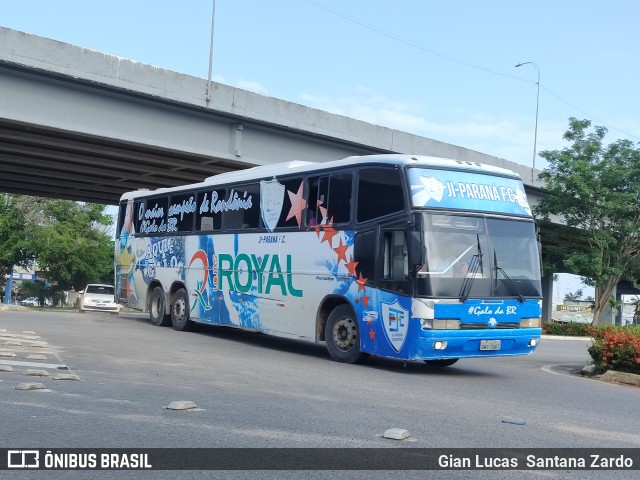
301 167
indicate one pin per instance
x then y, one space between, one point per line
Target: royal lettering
244 272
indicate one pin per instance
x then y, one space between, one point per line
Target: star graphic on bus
361 282
372 334
329 233
341 250
365 300
298 204
351 266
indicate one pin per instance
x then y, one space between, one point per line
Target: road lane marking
17 363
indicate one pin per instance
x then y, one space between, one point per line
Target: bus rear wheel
156 308
180 312
447 362
343 335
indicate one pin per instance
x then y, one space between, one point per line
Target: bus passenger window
379 193
209 210
152 215
365 253
181 213
291 215
242 207
329 199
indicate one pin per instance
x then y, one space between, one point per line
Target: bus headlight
531 322
446 324
440 324
439 344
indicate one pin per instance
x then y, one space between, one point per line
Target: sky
442 70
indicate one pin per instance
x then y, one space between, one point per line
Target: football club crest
271 201
396 324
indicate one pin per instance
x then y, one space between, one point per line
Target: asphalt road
252 390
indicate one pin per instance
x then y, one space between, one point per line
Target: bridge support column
8 287
547 298
618 310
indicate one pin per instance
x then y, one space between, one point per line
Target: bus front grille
483 326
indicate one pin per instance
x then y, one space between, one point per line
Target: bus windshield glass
481 256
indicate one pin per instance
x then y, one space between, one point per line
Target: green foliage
573 296
595 188
568 329
616 348
73 245
15 248
68 240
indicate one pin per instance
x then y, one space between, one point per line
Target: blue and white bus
409 257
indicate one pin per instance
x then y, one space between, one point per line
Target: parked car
35 302
98 298
30 302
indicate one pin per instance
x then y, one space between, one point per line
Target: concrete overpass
84 125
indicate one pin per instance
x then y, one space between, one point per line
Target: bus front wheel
343 335
156 308
180 312
441 363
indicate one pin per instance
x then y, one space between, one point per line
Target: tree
70 241
596 190
73 245
15 245
573 296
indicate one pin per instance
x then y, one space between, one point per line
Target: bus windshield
479 256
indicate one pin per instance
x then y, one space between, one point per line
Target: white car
98 298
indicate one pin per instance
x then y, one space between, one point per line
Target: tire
156 308
180 312
441 363
342 335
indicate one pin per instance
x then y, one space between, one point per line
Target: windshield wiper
500 270
474 266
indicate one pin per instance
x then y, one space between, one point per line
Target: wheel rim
345 334
179 310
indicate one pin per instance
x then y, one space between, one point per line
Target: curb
621 377
565 337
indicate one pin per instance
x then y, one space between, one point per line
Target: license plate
100 305
489 344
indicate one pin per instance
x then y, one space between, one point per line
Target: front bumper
466 343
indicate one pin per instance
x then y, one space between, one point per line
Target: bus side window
396 259
317 204
138 214
122 211
330 199
242 209
379 193
340 198
208 214
365 252
294 189
181 213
